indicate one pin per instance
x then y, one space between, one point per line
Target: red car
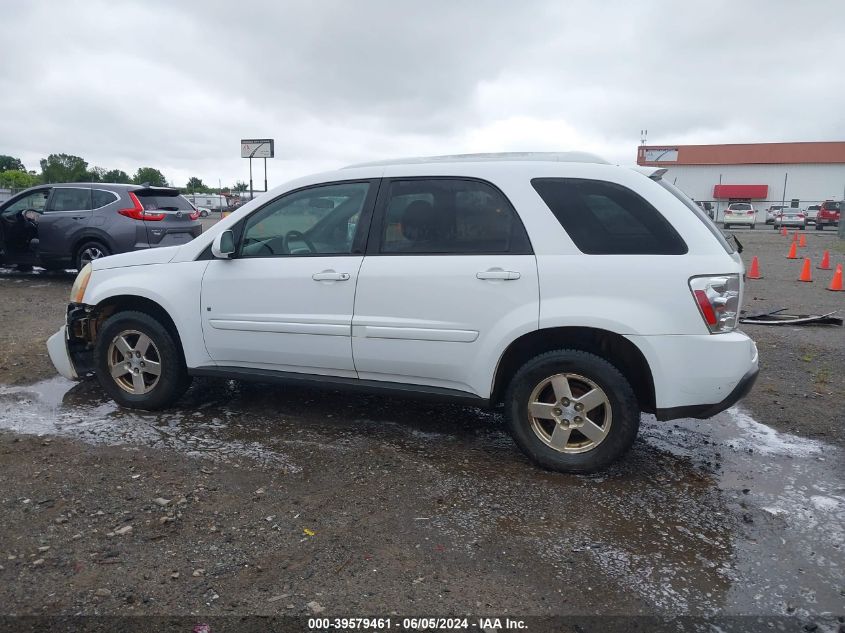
829 214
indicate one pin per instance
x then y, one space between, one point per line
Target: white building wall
810 183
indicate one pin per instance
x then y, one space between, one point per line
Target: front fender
175 287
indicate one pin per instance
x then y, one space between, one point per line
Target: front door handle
498 273
330 275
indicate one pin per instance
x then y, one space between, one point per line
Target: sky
176 84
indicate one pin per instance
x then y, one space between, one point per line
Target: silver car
68 225
791 217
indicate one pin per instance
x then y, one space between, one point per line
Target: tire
725 225
160 390
819 227
618 416
89 251
752 226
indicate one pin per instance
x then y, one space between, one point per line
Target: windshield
680 195
740 207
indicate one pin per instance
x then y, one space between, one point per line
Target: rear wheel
571 411
725 225
139 363
89 251
752 226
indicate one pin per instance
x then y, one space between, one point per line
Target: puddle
722 516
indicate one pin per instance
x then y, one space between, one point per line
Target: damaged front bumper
71 349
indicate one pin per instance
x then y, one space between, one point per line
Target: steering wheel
297 236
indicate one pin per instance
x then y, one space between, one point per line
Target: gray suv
68 225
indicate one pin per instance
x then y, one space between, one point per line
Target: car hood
137 258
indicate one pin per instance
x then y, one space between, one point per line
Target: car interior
19 223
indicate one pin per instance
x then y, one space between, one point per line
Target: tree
151 176
63 168
240 186
96 174
10 163
196 185
116 176
17 179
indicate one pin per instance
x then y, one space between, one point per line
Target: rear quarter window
604 218
101 198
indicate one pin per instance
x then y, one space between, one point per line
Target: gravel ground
247 499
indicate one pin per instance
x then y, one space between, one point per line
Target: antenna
643 137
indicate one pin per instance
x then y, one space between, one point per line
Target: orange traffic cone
783 231
803 241
806 273
754 273
794 236
836 282
825 265
793 251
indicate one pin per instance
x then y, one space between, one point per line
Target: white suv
576 293
740 213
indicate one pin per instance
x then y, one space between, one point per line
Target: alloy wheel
90 254
570 413
134 362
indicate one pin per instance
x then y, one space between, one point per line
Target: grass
822 376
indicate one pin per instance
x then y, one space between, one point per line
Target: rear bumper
702 411
698 375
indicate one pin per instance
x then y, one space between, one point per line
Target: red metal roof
752 192
743 154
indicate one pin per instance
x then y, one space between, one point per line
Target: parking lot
254 499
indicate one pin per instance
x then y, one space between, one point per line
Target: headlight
80 284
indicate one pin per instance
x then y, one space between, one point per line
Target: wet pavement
724 516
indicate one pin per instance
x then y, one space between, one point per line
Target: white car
740 213
577 293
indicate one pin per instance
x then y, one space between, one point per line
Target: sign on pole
257 148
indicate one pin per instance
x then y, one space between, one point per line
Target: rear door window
450 216
605 218
70 199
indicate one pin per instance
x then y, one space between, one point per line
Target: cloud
177 85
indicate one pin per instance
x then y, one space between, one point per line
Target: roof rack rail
560 157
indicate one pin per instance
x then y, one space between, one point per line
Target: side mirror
223 245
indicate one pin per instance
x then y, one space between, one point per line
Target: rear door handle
498 273
330 275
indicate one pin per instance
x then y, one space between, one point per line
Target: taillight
801 215
138 212
749 213
717 298
195 215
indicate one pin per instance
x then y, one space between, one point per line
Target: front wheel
572 411
139 363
